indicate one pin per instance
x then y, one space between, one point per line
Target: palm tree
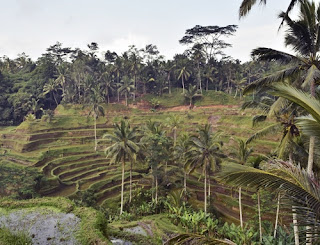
123 147
156 149
126 88
300 189
191 94
246 6
117 70
184 74
304 70
205 153
173 122
108 84
96 110
181 150
208 75
243 154
51 87
302 179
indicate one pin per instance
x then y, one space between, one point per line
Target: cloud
121 44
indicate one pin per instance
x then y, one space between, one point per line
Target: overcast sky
31 26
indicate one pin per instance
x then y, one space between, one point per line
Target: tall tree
96 110
209 37
205 152
126 88
184 75
303 68
123 147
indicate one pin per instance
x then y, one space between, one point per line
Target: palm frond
312 76
299 97
276 127
277 106
268 54
258 118
266 82
246 6
309 126
300 188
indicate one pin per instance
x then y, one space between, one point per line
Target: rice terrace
212 140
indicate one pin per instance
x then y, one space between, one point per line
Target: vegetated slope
63 150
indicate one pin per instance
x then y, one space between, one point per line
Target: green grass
19 238
216 98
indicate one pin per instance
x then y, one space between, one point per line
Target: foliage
19 182
6 237
240 236
155 103
300 189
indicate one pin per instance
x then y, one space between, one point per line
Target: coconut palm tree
184 75
300 189
51 87
108 84
96 110
303 68
243 154
126 88
156 149
191 94
173 122
246 6
181 150
62 77
205 153
123 147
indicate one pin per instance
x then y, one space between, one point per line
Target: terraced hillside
63 150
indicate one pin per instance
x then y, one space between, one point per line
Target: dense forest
66 75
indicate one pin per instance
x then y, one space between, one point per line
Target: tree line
81 76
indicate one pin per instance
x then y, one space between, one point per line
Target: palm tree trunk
185 182
205 190
134 89
295 226
126 98
240 208
130 182
311 154
169 84
259 214
95 132
310 161
182 84
207 87
55 98
174 137
277 217
209 187
122 185
156 190
199 78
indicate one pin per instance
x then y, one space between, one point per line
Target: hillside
63 149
